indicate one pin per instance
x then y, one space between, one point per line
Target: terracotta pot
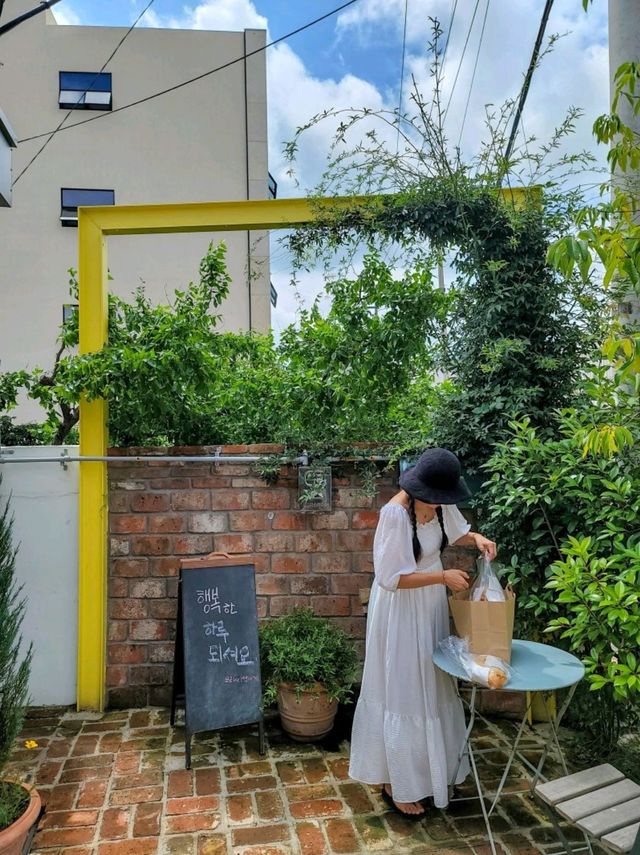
12 839
309 718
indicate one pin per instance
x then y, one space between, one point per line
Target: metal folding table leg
555 724
512 757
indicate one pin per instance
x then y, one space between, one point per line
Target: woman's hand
486 546
456 580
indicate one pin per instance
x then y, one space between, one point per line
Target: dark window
73 198
273 187
68 311
273 295
85 90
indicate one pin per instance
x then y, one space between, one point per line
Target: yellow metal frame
94 225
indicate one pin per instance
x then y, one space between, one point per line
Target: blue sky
354 59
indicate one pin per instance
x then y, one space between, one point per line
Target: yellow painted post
93 500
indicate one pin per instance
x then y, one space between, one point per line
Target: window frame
82 104
67 217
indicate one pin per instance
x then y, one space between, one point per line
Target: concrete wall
44 502
204 142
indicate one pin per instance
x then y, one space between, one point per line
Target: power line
464 50
200 76
451 20
475 68
404 48
527 80
66 116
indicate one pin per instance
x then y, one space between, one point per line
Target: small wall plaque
314 488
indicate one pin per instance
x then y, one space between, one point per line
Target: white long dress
408 727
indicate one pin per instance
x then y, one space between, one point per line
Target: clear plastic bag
488 671
487 586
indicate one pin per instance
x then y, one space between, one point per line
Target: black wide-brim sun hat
436 478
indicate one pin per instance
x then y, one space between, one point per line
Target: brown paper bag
488 626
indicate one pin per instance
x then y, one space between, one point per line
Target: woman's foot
413 809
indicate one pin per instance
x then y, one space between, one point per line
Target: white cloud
64 14
225 15
371 20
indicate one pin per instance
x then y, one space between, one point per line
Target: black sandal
412 817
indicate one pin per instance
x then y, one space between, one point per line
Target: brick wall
161 512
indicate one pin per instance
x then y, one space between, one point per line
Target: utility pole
624 46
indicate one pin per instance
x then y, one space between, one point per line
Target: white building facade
206 141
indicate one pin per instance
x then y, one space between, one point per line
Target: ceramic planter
307 717
13 838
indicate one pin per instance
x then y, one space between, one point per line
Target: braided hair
417 548
415 542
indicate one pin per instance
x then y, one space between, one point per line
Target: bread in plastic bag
487 586
488 671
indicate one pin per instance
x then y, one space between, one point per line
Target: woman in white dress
408 727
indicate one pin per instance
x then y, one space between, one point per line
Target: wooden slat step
578 784
606 821
623 839
598 800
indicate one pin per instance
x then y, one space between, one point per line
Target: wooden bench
599 801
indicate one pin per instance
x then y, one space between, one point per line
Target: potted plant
19 806
309 665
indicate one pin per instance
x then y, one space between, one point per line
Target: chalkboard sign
216 669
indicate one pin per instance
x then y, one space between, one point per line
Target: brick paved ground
115 784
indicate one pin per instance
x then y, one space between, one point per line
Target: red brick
48 771
118 587
192 544
314 541
153 544
364 519
150 502
119 503
351 497
207 782
89 773
180 783
350 584
315 770
309 585
191 500
247 481
69 819
100 759
63 837
308 792
130 567
110 742
85 744
207 522
127 609
92 794
117 676
148 778
247 785
335 521
193 822
169 483
270 542
128 761
147 588
147 819
118 630
331 563
61 797
115 824
283 605
247 521
136 796
331 606
290 520
193 804
127 654
315 807
230 500
311 839
164 566
340 768
260 834
270 498
58 748
166 523
342 836
239 808
289 772
141 846
233 543
354 541
164 651
142 630
119 546
272 585
290 564
356 797
362 562
127 523
210 482
269 805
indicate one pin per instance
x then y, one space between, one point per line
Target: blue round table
536 668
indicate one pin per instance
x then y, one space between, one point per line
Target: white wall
44 502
